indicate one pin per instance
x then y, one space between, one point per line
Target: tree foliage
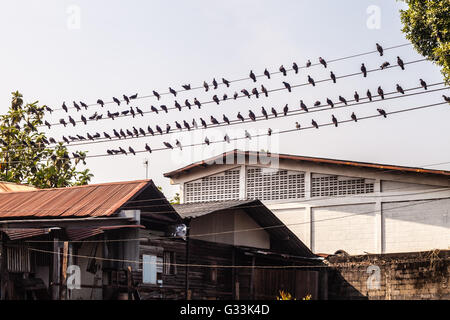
25 156
426 24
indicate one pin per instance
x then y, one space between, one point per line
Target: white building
331 204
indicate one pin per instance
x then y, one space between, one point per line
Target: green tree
426 24
24 153
176 199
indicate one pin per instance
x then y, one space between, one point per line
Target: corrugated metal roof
258 212
212 161
81 201
19 233
76 234
14 187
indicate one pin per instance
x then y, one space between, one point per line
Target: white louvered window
218 187
329 185
274 184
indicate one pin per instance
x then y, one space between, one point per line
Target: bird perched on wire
64 107
288 86
235 96
157 95
178 144
83 119
122 133
248 135
295 67
400 89
48 109
194 124
369 95
447 99
354 118
226 138
207 141
187 104
116 134
186 87
177 105
382 112
400 63
314 123
167 128
132 150
283 70
269 132
203 122
158 128
65 140
76 106
323 62
214 120
380 49
134 96
186 125
225 119
240 117
364 70
251 115
303 106
206 86
311 81
423 84
72 121
274 112
356 96
216 99
178 125
141 131
381 92
330 103
197 103
127 100
225 97
142 113
264 112
150 130
215 84
116 101
244 91
317 103
308 63
129 133
264 90
286 109
132 112
153 108
168 145
252 76
47 124
122 150
333 118
125 112
226 82
385 65
52 140
100 102
172 91
255 92
147 147
297 125
343 100
333 76
267 73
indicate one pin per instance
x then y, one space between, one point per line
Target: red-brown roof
13 187
94 200
367 165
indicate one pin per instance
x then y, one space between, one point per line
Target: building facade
331 205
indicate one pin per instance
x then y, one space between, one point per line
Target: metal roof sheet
80 201
13 187
367 165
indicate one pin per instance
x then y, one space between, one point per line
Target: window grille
218 187
169 263
329 185
269 184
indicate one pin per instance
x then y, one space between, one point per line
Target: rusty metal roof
13 187
235 152
95 200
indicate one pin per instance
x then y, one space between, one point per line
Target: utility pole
146 168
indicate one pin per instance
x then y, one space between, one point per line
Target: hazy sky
127 47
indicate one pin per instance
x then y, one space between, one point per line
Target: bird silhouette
52 140
64 107
186 87
226 82
178 144
255 92
164 108
153 108
168 145
314 123
308 63
172 91
125 112
207 141
158 128
134 96
65 140
225 97
122 134
364 70
83 119
157 95
381 92
330 103
400 89
235 96
197 103
100 116
140 111
311 81
343 100
288 86
132 112
356 96
226 138
269 132
225 119
203 122
423 84
380 49
206 86
283 70
252 76
109 152
93 116
135 131
132 150
187 104
251 115
100 102
400 63
333 118
186 125
354 117
317 103
382 112
385 65
72 121
244 91
47 124
297 125
264 112
295 67
177 105
115 133
303 106
214 120
126 99
178 125
122 150
369 95
264 90
107 136
48 109
248 135
333 76
267 73
116 101
167 128
147 147
150 130
129 133
447 99
240 117
76 106
286 109
216 99
323 62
